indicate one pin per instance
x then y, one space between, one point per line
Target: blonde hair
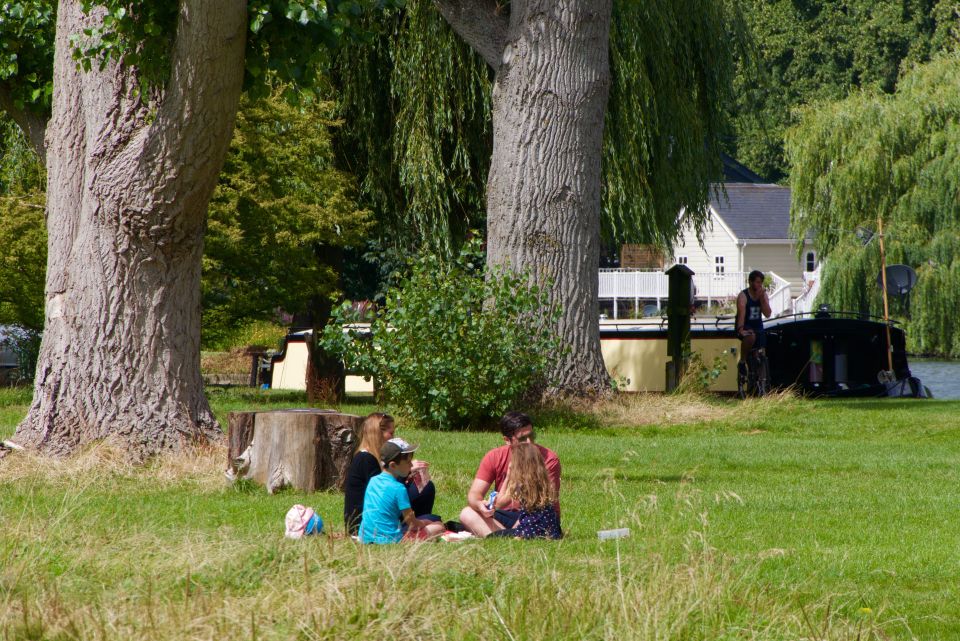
371 433
528 481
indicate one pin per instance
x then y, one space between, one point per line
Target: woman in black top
377 428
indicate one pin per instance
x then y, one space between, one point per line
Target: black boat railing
819 314
726 321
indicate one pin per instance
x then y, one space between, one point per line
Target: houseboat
834 354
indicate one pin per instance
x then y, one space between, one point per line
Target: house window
681 260
718 267
811 261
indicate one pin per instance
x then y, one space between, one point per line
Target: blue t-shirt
384 500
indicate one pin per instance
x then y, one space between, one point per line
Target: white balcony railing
648 285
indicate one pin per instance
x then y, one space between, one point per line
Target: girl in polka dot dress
529 485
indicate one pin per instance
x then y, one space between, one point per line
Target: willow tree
139 129
583 116
824 50
895 157
144 97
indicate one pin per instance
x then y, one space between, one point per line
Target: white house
748 228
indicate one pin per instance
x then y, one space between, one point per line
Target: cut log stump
306 449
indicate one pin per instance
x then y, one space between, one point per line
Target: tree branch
481 23
33 125
23 200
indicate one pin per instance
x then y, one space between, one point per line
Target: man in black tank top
752 306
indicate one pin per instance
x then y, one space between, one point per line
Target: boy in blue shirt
386 502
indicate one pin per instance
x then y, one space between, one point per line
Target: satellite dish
900 279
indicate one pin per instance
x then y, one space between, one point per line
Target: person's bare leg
477 524
746 344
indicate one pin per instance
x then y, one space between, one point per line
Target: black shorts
760 337
506 518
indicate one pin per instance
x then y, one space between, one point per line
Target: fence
652 285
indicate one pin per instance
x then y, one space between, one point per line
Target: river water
942 377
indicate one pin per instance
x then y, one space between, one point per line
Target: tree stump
306 449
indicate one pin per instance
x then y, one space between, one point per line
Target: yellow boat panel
639 364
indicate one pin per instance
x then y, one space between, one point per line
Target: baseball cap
394 448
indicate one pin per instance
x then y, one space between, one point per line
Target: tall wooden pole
886 307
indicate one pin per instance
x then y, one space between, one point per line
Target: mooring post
679 303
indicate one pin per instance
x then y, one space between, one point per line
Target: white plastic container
619 533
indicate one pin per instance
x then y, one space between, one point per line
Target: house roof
754 211
734 172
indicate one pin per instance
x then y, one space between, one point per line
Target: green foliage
896 157
26 52
292 40
23 260
455 345
25 344
137 34
416 106
672 67
263 333
288 40
23 237
21 170
699 376
808 51
279 218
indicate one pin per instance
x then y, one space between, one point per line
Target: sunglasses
526 438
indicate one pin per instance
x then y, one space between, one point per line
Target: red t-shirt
493 468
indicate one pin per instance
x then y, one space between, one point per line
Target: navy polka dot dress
538 524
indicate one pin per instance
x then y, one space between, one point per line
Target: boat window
811 261
718 267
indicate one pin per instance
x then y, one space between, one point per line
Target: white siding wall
781 259
716 242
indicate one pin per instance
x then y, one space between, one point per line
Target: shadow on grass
255 395
564 419
631 477
544 419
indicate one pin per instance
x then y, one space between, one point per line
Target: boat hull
833 356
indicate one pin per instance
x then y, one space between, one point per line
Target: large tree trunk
325 372
543 194
126 210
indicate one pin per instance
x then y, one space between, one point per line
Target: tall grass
769 519
94 549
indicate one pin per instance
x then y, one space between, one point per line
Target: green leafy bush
699 376
454 345
263 333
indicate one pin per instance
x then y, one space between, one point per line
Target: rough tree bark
550 95
127 196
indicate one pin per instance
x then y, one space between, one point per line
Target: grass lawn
770 519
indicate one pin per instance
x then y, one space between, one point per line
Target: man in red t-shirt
516 427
